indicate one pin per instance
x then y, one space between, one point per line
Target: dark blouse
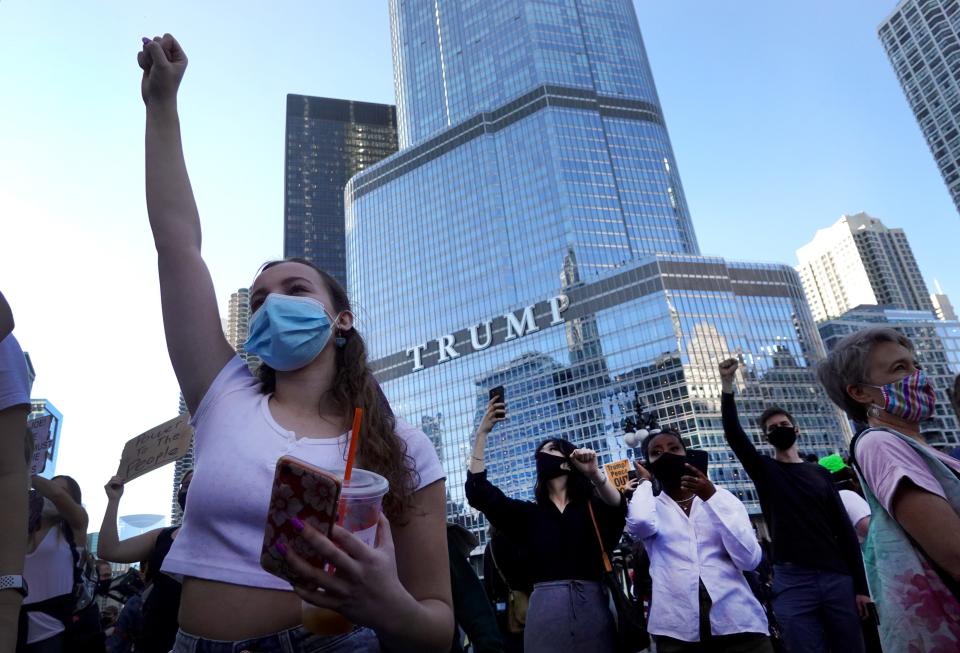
562 545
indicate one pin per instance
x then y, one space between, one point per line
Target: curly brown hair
380 449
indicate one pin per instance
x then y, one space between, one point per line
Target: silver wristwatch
18 583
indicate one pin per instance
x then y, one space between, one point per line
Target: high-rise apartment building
328 141
858 261
533 233
937 345
236 326
922 39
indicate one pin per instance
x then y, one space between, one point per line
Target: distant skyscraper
858 261
328 141
533 233
941 304
938 350
921 38
39 408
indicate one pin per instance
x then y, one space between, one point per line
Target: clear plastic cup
358 512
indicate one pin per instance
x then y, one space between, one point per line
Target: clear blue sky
782 115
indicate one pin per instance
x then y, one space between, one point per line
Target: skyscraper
533 233
942 305
328 141
858 261
922 38
938 350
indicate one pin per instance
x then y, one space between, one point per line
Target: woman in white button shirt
700 541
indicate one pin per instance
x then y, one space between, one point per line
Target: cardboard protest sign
40 427
618 473
155 448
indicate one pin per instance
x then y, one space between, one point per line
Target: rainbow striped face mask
912 398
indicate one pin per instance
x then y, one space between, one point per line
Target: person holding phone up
314 374
700 541
568 607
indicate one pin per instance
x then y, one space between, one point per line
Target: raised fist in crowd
163 62
728 371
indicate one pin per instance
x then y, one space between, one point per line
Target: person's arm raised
71 511
109 546
191 320
736 437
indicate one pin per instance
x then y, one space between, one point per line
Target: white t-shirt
49 573
856 506
236 447
14 382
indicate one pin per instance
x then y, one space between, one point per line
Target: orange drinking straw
352 451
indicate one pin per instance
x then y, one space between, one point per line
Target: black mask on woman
549 466
668 469
182 500
782 437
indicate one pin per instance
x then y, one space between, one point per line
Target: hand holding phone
498 396
301 492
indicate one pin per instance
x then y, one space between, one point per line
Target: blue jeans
295 640
817 610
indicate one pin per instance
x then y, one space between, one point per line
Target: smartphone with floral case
305 492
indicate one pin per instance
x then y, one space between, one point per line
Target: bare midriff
214 610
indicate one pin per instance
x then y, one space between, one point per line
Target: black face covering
782 437
668 469
182 500
103 587
549 466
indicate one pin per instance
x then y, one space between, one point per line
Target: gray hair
847 365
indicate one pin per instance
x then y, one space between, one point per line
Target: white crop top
236 447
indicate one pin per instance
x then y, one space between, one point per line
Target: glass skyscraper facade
533 233
328 141
922 39
938 351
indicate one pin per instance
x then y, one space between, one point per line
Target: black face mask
549 466
182 500
103 587
782 437
668 469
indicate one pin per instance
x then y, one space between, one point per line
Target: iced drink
358 512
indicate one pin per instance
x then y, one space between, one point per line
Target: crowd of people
860 552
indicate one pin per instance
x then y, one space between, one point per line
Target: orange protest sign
618 473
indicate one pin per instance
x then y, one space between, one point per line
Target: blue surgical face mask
288 333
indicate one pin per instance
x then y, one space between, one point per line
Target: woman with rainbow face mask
912 549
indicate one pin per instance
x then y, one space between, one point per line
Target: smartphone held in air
304 492
499 395
699 459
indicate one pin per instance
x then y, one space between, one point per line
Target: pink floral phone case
308 493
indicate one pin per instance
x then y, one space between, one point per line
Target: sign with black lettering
155 448
40 427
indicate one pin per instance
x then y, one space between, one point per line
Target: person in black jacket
819 587
568 608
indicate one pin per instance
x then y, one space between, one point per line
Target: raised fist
728 368
114 488
163 62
